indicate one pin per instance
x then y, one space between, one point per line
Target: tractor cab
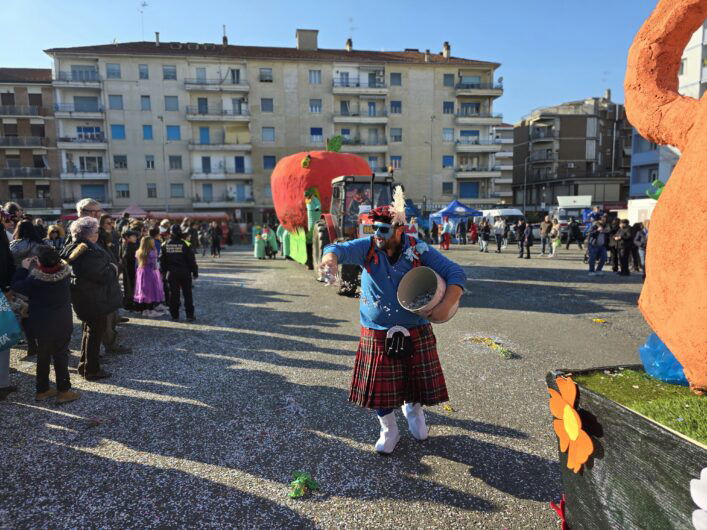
352 198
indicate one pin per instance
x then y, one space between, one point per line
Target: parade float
633 444
301 191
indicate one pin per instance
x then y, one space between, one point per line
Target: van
510 215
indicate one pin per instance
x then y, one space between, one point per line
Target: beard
386 245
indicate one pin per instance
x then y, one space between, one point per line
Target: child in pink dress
148 282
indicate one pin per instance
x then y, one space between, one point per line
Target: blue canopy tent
456 211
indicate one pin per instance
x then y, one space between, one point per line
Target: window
447 188
122 191
43 191
396 107
16 192
171 103
396 134
88 133
176 191
115 102
169 72
145 103
448 80
315 77
268 134
175 162
396 79
149 161
447 161
266 75
91 164
268 162
117 132
147 132
35 100
316 135
447 134
468 190
151 190
470 109
266 105
95 191
373 163
315 106
346 133
448 107
87 104
120 161
112 71
682 66
174 132
143 72
396 162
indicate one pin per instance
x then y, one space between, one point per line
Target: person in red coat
473 233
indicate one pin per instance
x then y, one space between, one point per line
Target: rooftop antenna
352 28
142 7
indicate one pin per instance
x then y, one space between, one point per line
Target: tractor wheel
320 239
349 280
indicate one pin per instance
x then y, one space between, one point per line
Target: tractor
351 199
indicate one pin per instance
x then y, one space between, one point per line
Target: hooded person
178 265
385 378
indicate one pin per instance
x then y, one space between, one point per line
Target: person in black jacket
613 245
178 264
7 270
95 292
623 239
574 233
50 320
127 262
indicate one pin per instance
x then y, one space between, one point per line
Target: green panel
298 246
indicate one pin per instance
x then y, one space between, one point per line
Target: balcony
380 116
475 172
218 145
69 203
357 85
78 79
504 154
215 85
73 173
22 110
478 118
80 112
221 174
93 142
197 113
479 89
223 201
504 181
23 141
25 172
477 145
357 145
541 157
34 203
543 135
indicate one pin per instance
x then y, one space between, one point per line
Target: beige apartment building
502 187
29 168
199 127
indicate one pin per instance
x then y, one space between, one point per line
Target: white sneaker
162 307
389 435
416 420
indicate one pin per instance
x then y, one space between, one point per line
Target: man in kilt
382 379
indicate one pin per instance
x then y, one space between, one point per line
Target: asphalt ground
203 425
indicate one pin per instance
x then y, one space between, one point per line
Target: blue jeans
546 241
594 254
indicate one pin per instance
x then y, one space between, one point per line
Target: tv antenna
141 9
352 28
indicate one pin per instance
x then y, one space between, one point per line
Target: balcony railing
79 77
216 111
539 134
222 171
465 114
478 141
223 198
541 157
214 82
21 110
218 142
70 107
356 82
73 170
472 169
87 139
378 113
359 141
478 86
20 172
34 203
23 141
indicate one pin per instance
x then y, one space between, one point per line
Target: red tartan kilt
379 382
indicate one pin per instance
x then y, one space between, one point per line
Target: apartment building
575 148
28 156
650 161
186 126
502 187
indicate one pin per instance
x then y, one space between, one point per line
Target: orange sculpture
568 424
674 297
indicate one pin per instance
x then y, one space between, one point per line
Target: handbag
10 330
398 343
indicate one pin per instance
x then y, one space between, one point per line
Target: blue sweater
379 302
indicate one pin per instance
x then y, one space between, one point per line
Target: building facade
185 126
29 168
650 161
576 148
502 190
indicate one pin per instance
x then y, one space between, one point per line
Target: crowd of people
45 272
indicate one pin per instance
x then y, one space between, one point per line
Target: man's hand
442 311
329 268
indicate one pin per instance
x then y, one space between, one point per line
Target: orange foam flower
568 424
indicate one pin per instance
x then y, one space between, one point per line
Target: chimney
446 50
607 94
157 38
306 39
427 56
349 45
225 37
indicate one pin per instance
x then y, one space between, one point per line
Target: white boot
389 434
416 420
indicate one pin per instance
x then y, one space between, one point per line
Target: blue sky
551 50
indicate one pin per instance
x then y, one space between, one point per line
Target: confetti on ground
599 321
302 483
495 346
447 407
